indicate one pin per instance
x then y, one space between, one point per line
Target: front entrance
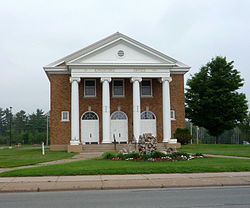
119 127
148 123
90 128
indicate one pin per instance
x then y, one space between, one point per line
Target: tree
212 99
20 121
37 126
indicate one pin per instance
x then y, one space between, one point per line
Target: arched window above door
90 116
118 115
147 115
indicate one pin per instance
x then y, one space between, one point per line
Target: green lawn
94 167
218 149
28 156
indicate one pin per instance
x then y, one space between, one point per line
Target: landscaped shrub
179 156
157 154
134 155
198 154
121 156
146 156
183 136
109 155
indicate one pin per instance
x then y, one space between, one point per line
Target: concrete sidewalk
56 183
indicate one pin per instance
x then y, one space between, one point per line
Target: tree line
22 127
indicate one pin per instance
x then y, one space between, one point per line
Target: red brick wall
177 101
61 98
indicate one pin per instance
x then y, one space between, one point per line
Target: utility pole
197 135
191 132
47 132
10 126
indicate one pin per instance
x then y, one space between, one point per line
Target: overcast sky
35 33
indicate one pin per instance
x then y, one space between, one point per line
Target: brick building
115 88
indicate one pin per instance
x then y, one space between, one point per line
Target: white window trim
123 90
85 88
62 119
150 86
172 112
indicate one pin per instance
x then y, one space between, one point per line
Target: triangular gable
120 52
105 51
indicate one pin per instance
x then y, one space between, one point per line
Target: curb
107 182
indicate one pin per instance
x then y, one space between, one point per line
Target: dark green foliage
212 99
146 156
121 156
178 155
197 154
26 129
157 154
134 155
109 155
183 136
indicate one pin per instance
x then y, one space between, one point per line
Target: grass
218 149
28 156
94 167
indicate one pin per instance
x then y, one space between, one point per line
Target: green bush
178 155
109 155
157 154
183 136
134 155
198 154
146 156
121 156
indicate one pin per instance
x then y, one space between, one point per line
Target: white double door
90 131
119 130
148 126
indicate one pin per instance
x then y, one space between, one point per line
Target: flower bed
155 156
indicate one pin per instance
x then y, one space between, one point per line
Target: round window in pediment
120 53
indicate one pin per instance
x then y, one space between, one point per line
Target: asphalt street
172 197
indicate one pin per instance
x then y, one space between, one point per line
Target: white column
136 107
75 139
166 108
105 110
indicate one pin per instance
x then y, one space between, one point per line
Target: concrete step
98 147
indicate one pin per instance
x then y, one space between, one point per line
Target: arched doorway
119 127
148 123
90 128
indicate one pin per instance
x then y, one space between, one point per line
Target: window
89 88
118 115
118 88
65 116
172 115
89 116
147 115
146 88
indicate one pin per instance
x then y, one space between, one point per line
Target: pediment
120 52
107 52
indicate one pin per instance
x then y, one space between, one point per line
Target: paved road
145 198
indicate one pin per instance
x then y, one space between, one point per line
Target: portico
107 137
